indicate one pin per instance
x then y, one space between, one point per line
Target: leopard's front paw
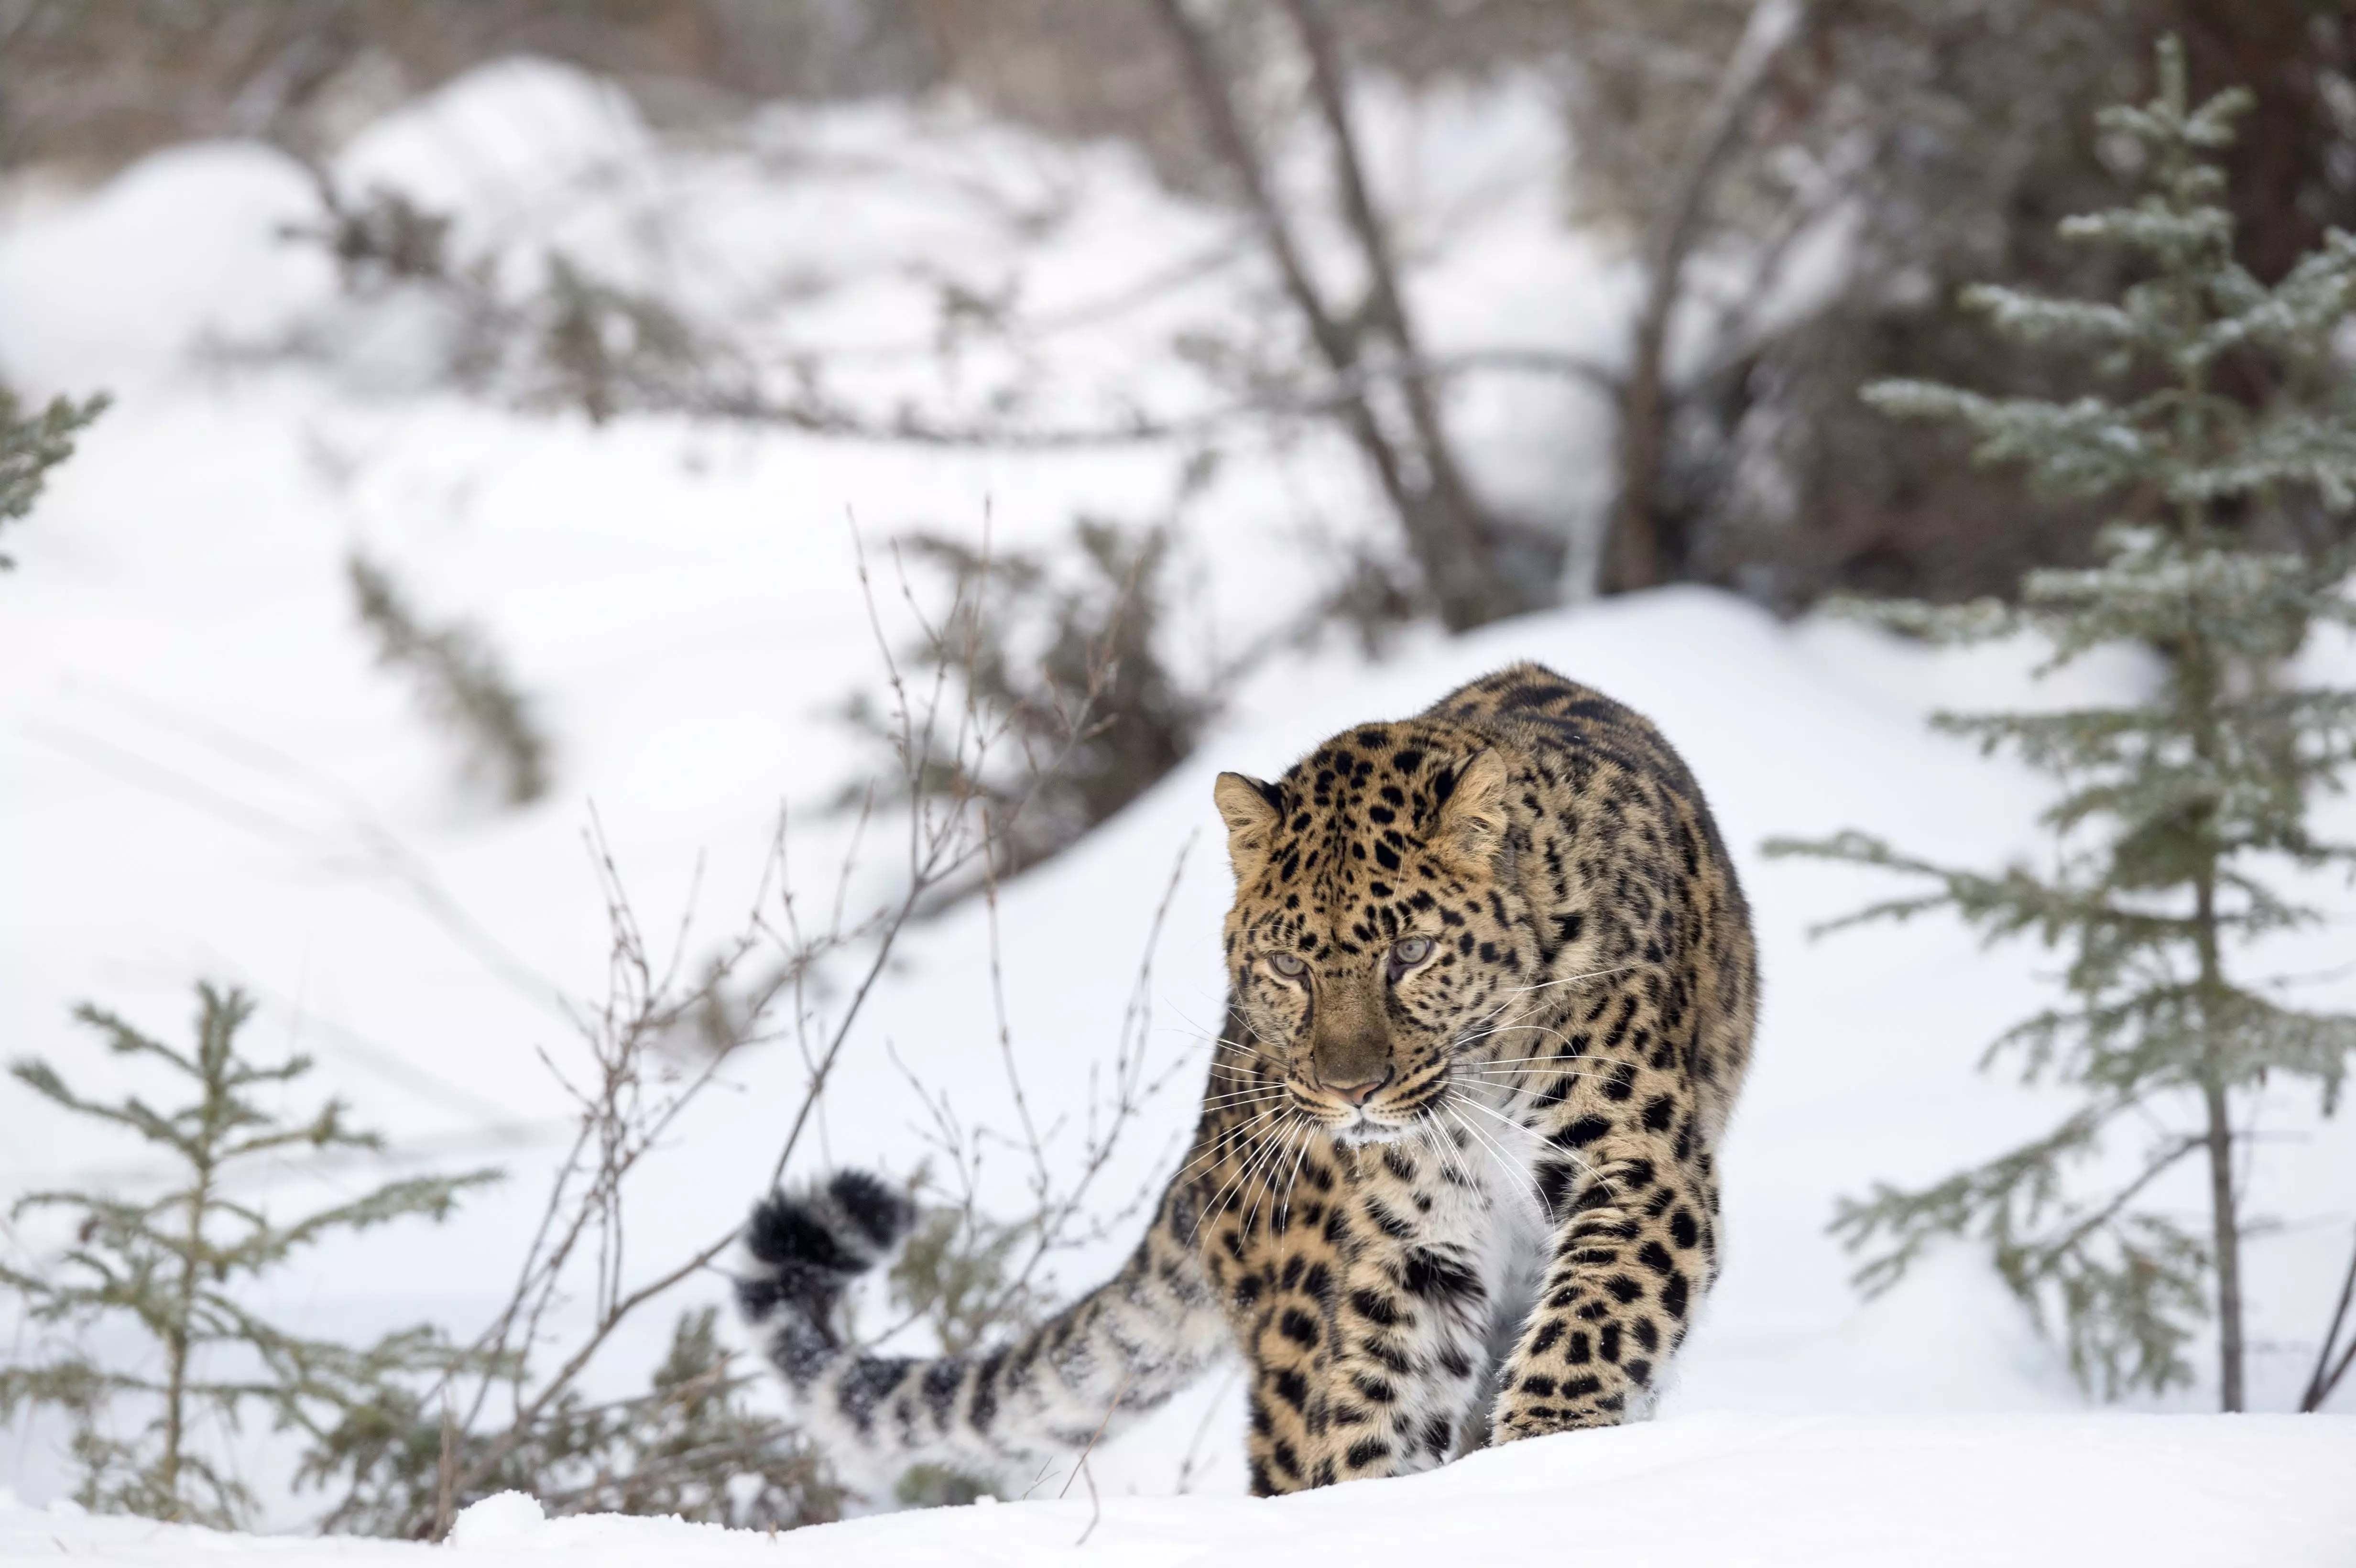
1539 1404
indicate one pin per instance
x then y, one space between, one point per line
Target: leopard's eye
1286 964
1409 952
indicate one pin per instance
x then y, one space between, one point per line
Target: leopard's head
1379 930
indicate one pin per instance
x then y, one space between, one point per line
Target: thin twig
1118 1394
1203 1430
2327 1374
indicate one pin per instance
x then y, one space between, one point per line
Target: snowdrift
1705 1490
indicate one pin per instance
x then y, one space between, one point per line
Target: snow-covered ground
1706 1490
204 776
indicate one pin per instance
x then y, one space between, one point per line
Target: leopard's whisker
1511 1029
1571 979
1520 1060
1519 1075
1514 1178
1253 1029
1284 1211
1448 1155
1268 1147
1264 1058
1264 1143
1204 1217
1213 1038
1567 1154
1245 1097
1485 1111
1268 1191
1261 1106
1472 1036
1474 1105
1258 1080
1228 1139
1266 1102
1255 1084
1254 1051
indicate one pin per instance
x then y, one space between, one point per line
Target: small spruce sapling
2175 814
175 1266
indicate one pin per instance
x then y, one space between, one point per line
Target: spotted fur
1491 990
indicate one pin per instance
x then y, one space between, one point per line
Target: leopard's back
1605 761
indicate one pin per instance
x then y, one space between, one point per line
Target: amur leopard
1492 988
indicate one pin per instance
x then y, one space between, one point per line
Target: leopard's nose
1359 1093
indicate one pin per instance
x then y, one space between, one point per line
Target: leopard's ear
1469 827
1252 811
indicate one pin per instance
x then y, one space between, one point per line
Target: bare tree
1468 557
1637 554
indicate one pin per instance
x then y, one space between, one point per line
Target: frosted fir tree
2175 814
173 1265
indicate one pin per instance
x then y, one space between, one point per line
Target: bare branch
2328 1372
1635 556
1453 540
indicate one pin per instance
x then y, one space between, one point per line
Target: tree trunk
2197 670
1464 542
1636 554
176 1334
2228 1232
1455 543
2225 1220
1632 559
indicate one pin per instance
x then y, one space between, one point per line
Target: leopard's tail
1116 1353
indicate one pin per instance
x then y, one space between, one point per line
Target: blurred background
577 471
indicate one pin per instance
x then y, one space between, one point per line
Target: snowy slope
1708 1490
202 775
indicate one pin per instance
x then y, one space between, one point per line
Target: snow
1710 1489
204 776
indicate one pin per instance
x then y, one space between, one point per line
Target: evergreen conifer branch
32 445
463 684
